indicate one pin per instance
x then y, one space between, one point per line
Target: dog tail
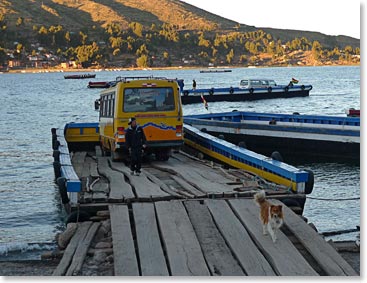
260 197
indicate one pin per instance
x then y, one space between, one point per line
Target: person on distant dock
136 142
193 84
180 84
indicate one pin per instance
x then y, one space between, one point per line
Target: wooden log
81 251
284 258
71 248
218 256
325 255
181 244
120 190
152 260
238 239
125 260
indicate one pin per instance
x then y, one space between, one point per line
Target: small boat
81 76
249 89
215 71
351 112
99 84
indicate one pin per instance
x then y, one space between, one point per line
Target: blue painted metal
245 156
73 183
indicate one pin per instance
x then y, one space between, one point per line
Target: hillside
93 15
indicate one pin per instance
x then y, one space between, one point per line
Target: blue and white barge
293 135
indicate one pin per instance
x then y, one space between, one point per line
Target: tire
242 144
231 90
270 89
251 90
277 156
211 91
302 87
286 89
310 182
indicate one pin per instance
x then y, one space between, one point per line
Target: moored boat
99 84
80 76
249 89
294 136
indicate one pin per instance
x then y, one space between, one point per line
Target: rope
328 199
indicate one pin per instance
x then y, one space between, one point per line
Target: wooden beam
238 239
71 248
217 254
324 254
152 260
181 244
81 251
125 261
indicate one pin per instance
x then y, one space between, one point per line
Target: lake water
33 103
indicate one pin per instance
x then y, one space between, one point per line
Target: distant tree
86 54
230 56
142 61
20 21
83 37
316 50
136 28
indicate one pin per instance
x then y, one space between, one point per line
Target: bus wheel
162 155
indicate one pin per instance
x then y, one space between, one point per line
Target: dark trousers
135 164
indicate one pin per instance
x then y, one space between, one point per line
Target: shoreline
46 267
94 70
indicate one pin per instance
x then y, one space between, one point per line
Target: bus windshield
148 99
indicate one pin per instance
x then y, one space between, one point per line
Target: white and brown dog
271 215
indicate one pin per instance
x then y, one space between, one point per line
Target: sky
331 17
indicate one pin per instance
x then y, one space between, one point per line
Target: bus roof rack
124 79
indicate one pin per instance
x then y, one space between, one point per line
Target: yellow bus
156 105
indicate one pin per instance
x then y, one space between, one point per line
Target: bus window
148 99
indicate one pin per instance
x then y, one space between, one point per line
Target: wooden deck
188 218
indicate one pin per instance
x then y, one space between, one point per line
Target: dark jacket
135 138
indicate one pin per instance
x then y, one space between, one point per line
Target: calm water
30 211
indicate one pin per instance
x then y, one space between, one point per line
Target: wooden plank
119 189
217 254
81 251
204 180
324 254
162 185
191 189
78 162
152 260
71 248
282 255
181 244
238 239
93 169
143 187
125 261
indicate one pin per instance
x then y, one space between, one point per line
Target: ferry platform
181 217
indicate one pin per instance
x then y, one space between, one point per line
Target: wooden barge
181 217
234 94
308 137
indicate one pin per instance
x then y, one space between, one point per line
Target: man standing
135 141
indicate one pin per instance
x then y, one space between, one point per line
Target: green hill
92 15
